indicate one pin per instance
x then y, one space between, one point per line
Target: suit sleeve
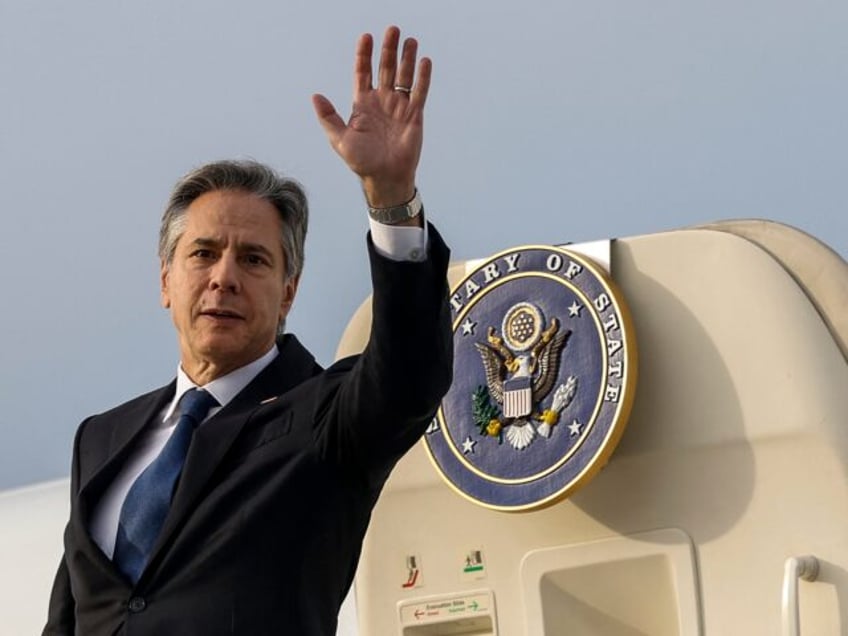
60 613
61 610
382 406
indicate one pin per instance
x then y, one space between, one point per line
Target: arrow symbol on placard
473 605
419 613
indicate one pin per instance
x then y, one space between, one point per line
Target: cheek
181 296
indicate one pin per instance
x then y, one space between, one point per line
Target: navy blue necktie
149 498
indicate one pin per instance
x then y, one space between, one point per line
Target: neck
203 372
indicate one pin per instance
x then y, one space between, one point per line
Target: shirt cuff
399 242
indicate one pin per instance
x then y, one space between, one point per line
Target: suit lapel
105 451
108 450
213 438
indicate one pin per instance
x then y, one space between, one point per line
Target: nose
224 275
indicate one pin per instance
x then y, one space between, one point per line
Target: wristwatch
398 213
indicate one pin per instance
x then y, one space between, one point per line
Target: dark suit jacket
267 522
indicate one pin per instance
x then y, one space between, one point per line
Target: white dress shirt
397 243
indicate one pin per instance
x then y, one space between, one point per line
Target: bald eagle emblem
521 368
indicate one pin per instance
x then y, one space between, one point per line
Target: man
235 499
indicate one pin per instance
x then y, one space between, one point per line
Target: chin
223 349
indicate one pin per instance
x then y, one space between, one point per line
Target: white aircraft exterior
722 510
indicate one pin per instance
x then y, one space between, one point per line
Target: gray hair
285 194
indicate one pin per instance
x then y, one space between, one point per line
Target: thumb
330 120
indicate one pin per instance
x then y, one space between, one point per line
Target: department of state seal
543 379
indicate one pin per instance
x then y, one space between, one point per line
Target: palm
382 136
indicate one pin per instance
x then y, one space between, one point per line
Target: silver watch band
398 213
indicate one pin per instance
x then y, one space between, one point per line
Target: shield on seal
518 397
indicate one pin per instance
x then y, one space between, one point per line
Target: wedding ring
403 89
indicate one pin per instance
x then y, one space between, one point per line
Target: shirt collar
225 388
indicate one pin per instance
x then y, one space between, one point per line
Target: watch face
389 215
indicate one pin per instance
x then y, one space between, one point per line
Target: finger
330 120
406 70
362 80
422 85
388 57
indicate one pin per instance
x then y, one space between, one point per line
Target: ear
164 294
289 291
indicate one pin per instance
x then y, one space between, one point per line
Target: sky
547 122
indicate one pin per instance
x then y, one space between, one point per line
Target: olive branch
483 412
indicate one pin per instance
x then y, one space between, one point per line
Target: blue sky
547 122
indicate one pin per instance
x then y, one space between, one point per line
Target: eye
202 253
256 259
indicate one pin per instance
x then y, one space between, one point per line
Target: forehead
233 215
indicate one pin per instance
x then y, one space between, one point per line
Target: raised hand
381 142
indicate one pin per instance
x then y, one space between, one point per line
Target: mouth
221 314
